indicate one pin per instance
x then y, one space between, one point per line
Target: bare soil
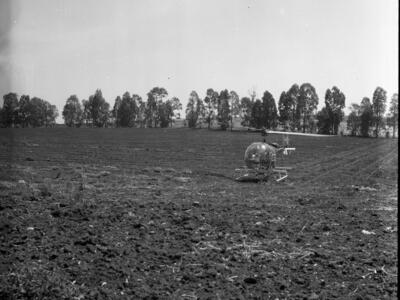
156 214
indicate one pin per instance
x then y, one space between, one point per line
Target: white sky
55 48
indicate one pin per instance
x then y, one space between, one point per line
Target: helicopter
260 161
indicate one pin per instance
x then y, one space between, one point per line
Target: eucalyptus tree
223 109
72 112
154 98
194 110
210 106
378 108
334 102
270 113
307 104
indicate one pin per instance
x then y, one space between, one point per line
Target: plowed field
156 214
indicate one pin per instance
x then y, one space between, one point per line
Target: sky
53 49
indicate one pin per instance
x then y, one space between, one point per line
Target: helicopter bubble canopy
260 155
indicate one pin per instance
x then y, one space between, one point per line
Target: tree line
27 112
296 111
370 115
128 110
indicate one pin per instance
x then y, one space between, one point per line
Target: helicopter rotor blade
298 133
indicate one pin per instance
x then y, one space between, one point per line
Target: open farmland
156 214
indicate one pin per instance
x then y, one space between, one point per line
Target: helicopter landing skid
281 172
259 175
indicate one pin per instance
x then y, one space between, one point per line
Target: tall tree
97 109
115 110
86 113
141 116
284 109
200 109
323 121
354 119
36 112
41 113
223 109
334 102
174 106
72 112
23 111
163 114
307 104
234 106
170 112
211 103
257 114
393 117
9 111
126 110
270 114
366 117
293 95
154 98
194 110
165 111
51 114
378 108
136 101
246 106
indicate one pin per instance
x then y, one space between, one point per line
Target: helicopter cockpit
260 161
